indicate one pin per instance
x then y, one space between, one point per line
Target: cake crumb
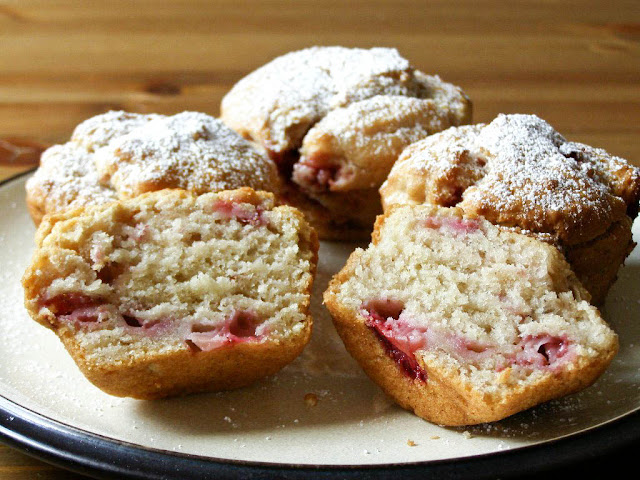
435 437
411 443
467 434
311 399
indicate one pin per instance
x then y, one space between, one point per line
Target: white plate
353 422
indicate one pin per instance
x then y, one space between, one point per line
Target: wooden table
574 63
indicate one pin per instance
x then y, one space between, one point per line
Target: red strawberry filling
67 303
542 350
399 339
314 178
85 312
456 225
241 327
244 213
321 172
85 315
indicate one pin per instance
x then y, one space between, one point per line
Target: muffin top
278 103
517 171
121 155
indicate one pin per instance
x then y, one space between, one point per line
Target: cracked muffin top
329 92
517 171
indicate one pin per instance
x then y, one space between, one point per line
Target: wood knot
159 87
19 151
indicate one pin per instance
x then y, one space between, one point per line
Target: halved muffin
464 323
170 292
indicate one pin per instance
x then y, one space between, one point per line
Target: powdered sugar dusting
522 173
120 154
529 174
434 154
190 150
447 97
98 131
277 103
67 178
383 118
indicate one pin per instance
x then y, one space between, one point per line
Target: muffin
519 173
119 155
169 293
462 322
335 119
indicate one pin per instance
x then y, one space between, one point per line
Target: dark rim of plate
103 457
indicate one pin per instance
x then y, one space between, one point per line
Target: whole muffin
335 120
463 322
518 172
120 155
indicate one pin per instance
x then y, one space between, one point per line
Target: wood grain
574 63
15 465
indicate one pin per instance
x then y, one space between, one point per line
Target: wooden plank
79 52
15 465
